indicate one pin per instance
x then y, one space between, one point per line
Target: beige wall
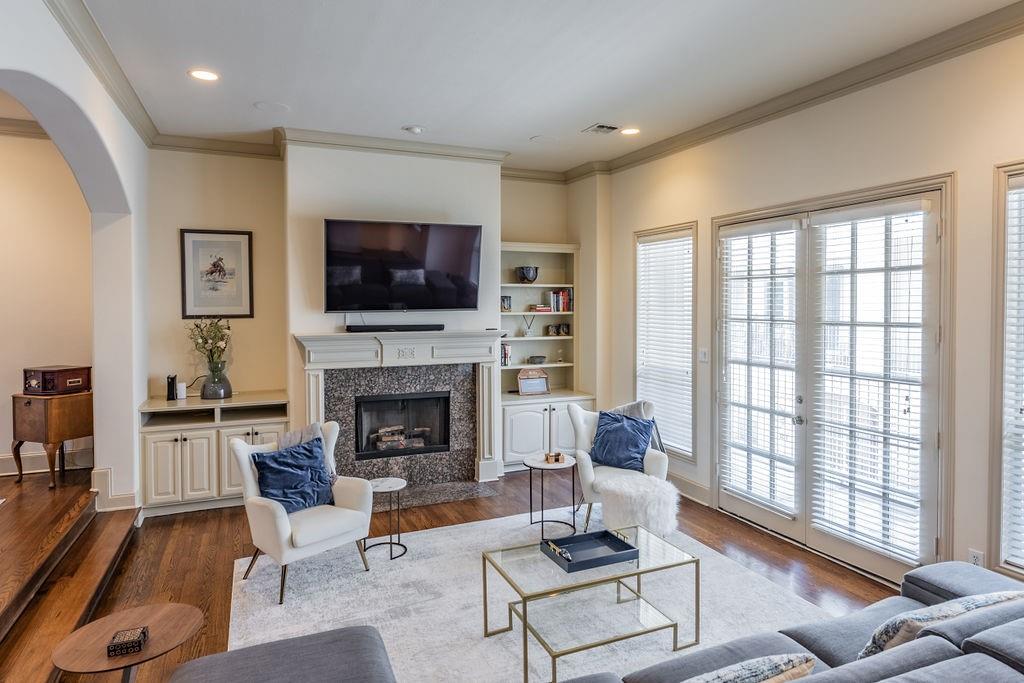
210 191
958 116
45 272
323 182
534 211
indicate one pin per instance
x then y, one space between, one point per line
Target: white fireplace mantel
389 349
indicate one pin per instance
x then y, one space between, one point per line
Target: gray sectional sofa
985 645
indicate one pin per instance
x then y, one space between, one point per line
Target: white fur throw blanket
644 500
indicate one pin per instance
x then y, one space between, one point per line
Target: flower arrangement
210 336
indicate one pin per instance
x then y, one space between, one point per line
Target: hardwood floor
188 558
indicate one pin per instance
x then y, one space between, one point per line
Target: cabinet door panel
198 465
268 433
229 479
163 468
525 431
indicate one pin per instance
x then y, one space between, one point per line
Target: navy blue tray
596 549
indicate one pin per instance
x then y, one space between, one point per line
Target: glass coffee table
571 612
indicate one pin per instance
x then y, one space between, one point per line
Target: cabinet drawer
29 419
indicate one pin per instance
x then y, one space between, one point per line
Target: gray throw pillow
342 276
768 669
408 276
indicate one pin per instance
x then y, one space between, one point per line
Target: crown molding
316 138
74 17
588 169
982 31
556 177
22 128
183 143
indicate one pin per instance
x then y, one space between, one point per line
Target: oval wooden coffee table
85 651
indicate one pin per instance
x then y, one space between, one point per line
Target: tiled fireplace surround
339 367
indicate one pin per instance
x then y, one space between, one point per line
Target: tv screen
380 266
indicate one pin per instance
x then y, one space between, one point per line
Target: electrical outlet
976 557
703 355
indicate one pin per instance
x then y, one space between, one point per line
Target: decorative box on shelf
57 379
128 641
587 551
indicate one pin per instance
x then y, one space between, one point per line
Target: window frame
665 233
1004 175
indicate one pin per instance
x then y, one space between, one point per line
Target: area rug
427 605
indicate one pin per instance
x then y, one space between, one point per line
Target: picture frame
533 382
216 273
506 304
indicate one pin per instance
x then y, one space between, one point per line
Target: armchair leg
284 576
252 564
586 520
362 553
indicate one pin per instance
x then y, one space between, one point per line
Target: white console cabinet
187 463
534 425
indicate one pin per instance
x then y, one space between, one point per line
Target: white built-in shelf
559 337
537 312
555 395
523 366
536 285
245 407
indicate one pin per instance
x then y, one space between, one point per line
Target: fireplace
392 425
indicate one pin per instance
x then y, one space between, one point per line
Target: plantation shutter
664 334
1012 527
759 443
874 372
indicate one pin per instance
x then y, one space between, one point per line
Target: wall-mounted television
389 266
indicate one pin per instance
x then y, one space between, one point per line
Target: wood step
38 525
67 598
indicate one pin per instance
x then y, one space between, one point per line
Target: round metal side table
537 462
393 487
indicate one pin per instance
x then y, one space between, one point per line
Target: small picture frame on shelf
554 330
506 304
533 382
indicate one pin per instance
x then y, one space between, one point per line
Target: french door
828 386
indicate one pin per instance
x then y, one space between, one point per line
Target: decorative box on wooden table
587 551
57 379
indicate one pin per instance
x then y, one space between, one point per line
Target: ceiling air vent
600 129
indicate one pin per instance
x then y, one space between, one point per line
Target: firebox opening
402 424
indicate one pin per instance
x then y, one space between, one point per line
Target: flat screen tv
385 266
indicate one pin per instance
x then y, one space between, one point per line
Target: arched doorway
118 284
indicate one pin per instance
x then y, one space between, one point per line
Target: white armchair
290 537
584 423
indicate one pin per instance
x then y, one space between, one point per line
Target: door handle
798 420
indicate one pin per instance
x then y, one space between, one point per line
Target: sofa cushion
839 641
967 668
313 525
768 669
718 656
913 655
944 581
904 627
354 654
604 677
1005 643
959 629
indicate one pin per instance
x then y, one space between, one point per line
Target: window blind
758 452
664 334
1012 526
871 313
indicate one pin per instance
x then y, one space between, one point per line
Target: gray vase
216 384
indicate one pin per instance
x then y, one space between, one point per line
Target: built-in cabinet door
229 479
563 436
525 431
163 468
268 433
198 465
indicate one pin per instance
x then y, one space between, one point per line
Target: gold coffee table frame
519 608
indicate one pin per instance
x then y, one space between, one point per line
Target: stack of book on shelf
560 300
506 354
540 308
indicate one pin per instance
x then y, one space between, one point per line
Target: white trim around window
657 346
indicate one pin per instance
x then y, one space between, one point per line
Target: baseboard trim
191 506
698 493
489 470
36 462
107 501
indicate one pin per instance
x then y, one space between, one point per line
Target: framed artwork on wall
216 273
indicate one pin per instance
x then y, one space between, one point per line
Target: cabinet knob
184 438
28 402
175 439
256 433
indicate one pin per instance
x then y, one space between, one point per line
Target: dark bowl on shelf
536 360
527 274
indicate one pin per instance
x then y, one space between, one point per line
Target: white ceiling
493 73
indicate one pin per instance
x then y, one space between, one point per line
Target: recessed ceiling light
203 75
415 130
630 131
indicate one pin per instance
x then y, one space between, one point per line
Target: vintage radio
58 379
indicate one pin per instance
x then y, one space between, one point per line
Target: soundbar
394 328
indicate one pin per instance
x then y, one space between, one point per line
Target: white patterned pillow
770 669
904 627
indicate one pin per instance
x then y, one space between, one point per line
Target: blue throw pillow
621 441
296 477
